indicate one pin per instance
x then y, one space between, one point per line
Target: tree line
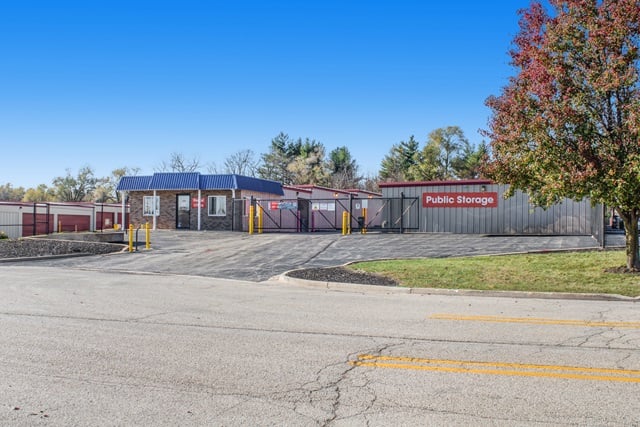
446 154
83 186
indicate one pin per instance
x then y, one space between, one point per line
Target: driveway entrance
258 257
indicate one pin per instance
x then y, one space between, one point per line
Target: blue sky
126 83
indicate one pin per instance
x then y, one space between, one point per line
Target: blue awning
175 181
134 183
195 181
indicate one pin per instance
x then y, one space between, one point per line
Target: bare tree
179 163
105 191
212 168
370 182
242 163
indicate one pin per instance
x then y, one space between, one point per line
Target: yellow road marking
536 321
496 364
498 368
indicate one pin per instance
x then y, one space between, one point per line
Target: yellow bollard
260 219
147 232
345 218
363 230
130 237
252 214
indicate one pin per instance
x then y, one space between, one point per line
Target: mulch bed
342 275
27 248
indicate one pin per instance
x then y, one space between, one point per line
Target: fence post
35 215
402 212
350 211
48 210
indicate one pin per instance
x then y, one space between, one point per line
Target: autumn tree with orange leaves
568 124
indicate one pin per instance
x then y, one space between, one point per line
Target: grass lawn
550 272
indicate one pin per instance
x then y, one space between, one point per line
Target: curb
462 292
59 256
375 289
45 257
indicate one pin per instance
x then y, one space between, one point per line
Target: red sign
460 200
194 203
283 205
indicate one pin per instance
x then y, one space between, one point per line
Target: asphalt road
151 338
105 348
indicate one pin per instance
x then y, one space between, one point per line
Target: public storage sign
460 200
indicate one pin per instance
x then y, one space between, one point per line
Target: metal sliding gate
401 214
39 221
325 215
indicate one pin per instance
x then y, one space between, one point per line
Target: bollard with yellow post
345 219
252 214
130 237
147 232
260 219
363 230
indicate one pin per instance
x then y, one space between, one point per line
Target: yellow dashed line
536 321
498 368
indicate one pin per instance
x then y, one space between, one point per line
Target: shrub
3 235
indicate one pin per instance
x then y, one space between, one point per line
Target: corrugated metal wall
21 219
515 215
11 224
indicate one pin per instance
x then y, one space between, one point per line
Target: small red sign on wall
194 203
460 200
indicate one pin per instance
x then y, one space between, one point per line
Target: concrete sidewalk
259 257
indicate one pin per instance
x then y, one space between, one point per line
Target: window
217 205
151 207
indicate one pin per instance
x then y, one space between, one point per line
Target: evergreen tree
397 165
275 163
343 169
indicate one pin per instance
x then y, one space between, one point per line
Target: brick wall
167 217
135 208
215 222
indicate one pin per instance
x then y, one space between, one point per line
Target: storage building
193 201
21 219
479 207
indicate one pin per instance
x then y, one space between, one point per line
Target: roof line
435 183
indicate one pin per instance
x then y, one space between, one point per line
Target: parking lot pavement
259 257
